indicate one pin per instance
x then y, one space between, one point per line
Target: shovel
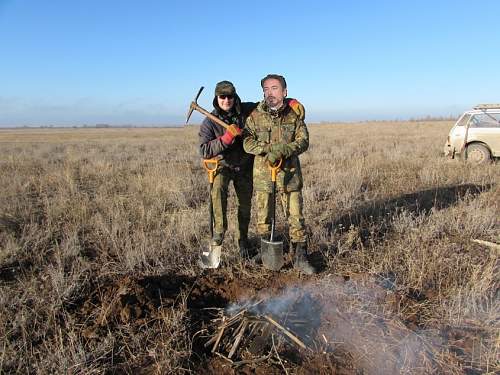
210 258
272 251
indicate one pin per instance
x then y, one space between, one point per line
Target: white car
476 135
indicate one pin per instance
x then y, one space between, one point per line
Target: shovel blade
210 258
272 254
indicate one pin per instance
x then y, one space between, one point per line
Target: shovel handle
274 169
210 166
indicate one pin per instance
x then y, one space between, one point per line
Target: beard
272 102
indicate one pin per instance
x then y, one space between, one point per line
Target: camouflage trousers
243 187
292 207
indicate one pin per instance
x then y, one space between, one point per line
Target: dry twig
286 332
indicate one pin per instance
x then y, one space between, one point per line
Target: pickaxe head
193 104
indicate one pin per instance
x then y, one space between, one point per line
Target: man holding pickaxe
235 164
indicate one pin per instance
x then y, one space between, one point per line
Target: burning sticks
286 332
250 332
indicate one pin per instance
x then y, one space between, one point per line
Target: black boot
257 258
300 261
245 248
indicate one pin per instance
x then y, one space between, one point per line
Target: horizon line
176 125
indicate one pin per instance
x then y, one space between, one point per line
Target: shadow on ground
378 214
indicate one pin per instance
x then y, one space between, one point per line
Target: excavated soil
356 324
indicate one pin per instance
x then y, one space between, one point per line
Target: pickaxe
194 106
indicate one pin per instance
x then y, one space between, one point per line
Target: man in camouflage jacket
272 132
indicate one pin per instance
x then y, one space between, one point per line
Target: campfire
260 330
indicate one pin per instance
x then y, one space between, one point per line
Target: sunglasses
226 97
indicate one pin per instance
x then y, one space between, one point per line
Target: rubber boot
300 262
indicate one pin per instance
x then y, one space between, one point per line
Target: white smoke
352 316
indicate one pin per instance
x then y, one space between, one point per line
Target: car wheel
478 154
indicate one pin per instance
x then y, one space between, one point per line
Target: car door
485 128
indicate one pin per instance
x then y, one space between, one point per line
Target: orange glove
298 108
232 131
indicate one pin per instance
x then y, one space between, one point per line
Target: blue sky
131 62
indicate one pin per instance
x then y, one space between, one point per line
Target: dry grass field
100 231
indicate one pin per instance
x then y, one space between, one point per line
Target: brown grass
84 209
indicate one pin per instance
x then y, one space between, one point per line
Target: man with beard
273 132
235 164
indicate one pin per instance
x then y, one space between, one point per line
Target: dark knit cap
225 88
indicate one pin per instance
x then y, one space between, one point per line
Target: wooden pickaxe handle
215 119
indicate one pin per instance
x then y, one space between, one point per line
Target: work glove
298 108
232 131
281 148
273 156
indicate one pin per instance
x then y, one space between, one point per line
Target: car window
485 120
463 121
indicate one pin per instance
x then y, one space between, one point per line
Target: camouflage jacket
210 145
262 129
